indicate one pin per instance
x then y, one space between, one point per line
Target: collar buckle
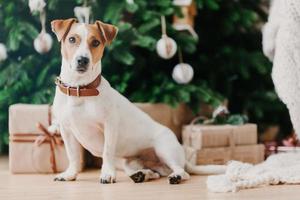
78 91
68 90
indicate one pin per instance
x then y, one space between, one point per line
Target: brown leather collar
86 91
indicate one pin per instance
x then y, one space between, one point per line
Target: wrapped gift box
218 144
202 136
31 150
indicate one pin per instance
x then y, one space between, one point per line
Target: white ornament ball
183 73
130 1
43 43
36 5
3 52
166 47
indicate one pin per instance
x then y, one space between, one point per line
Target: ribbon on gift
194 138
53 141
221 115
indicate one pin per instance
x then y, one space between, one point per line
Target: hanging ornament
43 43
166 47
182 73
187 21
3 52
36 5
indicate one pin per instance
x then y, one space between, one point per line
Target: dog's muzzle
82 63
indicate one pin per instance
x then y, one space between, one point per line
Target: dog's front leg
108 171
74 153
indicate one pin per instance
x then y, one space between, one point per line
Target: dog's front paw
107 177
176 178
65 176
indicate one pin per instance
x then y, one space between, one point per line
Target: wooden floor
87 187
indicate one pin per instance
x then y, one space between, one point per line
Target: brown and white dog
85 104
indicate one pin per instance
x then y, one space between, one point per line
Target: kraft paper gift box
218 144
32 149
201 136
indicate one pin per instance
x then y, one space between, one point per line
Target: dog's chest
86 121
81 112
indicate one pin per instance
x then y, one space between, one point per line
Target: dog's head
82 45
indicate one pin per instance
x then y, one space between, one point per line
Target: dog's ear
107 31
61 27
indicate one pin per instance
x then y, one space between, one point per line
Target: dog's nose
82 61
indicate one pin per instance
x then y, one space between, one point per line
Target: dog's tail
204 169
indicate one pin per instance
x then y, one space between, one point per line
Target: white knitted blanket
281 43
283 168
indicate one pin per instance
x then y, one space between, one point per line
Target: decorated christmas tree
220 40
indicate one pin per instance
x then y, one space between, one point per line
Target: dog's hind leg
171 153
134 168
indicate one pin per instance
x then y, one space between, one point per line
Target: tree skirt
283 168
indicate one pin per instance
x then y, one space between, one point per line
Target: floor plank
87 187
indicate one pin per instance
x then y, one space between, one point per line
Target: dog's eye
95 43
72 39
